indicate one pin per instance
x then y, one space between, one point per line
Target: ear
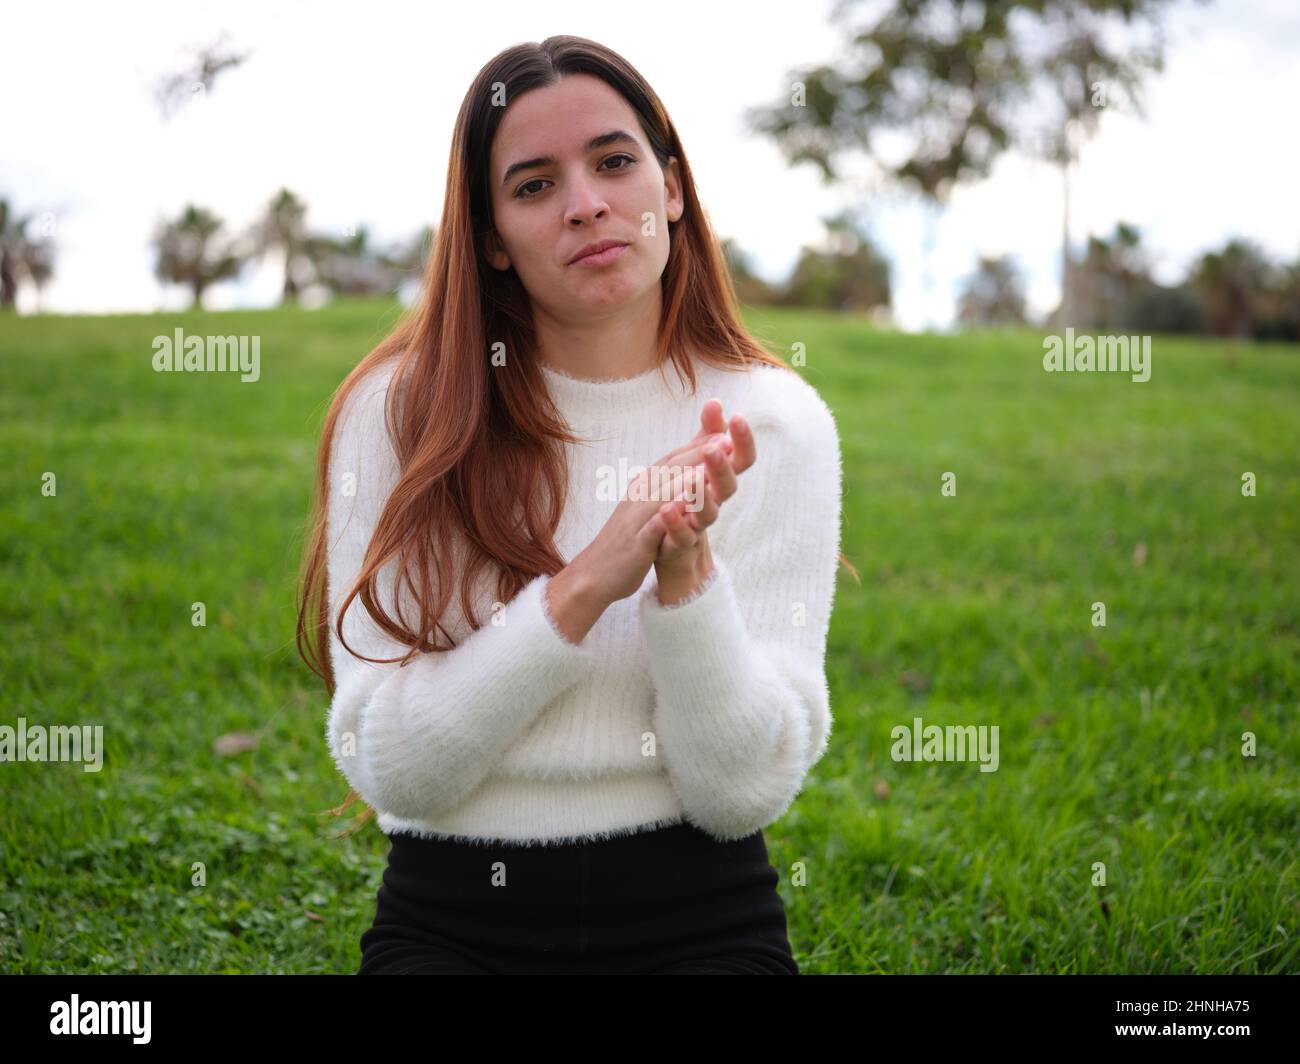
494 252
674 203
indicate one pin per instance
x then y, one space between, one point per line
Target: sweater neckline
599 397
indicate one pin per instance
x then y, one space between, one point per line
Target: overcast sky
351 106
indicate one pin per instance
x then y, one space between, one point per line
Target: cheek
522 237
652 210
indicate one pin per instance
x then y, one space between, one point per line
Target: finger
711 417
721 474
651 536
712 423
692 452
693 455
699 506
685 483
699 489
668 483
679 533
745 452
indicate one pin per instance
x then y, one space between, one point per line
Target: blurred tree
848 274
197 75
750 288
952 79
192 251
1231 283
24 254
408 260
1159 309
283 228
1278 317
1275 306
993 295
39 260
1109 279
1114 292
351 266
1081 67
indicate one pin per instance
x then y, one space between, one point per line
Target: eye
520 194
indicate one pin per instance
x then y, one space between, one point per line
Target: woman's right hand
615 563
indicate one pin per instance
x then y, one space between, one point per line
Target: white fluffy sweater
711 710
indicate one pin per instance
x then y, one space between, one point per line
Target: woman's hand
684 559
679 520
615 563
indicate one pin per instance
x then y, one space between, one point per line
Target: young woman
574 689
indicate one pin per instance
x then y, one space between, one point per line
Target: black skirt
672 900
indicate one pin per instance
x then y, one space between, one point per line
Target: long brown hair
477 436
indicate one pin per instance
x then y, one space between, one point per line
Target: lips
596 248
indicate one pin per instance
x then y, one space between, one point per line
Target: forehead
559 120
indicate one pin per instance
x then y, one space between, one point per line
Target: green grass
1119 744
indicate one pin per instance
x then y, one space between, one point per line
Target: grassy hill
1119 744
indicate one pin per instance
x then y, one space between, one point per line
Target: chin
610 291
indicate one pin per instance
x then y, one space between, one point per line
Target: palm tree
1229 282
994 295
22 256
192 251
1109 280
283 226
38 257
349 266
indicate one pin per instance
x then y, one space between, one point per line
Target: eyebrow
615 136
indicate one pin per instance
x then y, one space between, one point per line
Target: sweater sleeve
416 740
739 666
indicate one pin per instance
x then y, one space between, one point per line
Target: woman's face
572 192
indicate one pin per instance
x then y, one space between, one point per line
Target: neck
616 346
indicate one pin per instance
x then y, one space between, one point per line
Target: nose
585 204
